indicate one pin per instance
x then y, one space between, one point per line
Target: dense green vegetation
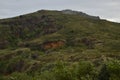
54 45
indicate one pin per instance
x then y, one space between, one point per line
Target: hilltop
40 41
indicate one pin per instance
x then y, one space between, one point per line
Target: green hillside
59 45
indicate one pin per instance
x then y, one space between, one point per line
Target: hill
59 45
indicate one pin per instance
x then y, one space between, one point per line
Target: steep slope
32 43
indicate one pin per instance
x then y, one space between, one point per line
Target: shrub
110 71
85 71
113 68
62 73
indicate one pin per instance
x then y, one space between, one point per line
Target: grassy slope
85 39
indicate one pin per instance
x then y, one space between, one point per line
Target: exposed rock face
53 45
45 45
68 11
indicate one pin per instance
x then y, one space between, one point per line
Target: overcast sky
107 9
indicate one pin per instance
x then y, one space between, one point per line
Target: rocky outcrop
44 46
89 42
68 11
52 45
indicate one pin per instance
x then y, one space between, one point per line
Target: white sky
107 9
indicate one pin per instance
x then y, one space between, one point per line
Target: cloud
108 9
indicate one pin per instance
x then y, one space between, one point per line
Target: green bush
104 74
85 71
110 71
113 68
61 72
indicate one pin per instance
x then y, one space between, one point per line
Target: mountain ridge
55 45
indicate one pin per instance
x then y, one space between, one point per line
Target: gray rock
68 11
